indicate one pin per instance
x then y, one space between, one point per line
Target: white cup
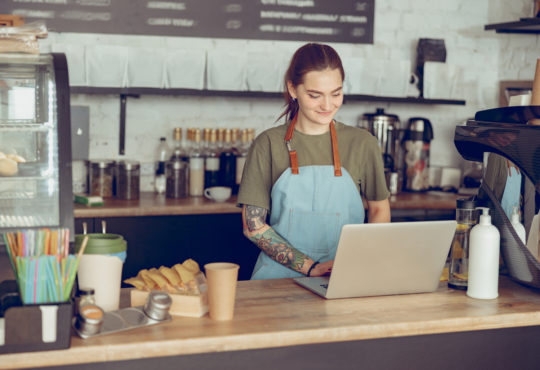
218 193
104 274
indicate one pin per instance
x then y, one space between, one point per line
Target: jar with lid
102 177
128 180
177 184
458 269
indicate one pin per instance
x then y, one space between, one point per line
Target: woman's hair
310 57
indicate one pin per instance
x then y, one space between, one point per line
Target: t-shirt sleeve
256 182
373 184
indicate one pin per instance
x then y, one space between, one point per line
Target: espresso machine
508 133
386 128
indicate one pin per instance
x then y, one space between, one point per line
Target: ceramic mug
218 193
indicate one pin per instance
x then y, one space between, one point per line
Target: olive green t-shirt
268 158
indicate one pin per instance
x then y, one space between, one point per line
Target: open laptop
387 258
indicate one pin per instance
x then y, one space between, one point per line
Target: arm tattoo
280 250
255 217
270 242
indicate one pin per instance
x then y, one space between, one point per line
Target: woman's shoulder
273 133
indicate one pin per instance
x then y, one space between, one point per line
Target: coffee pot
416 141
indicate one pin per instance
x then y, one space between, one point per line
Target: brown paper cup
221 278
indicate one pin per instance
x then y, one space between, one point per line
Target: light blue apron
309 207
512 191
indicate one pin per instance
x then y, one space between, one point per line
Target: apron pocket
314 233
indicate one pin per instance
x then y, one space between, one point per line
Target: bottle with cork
211 162
227 163
196 165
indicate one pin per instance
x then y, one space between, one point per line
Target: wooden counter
278 314
151 204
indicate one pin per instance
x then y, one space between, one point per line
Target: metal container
128 180
416 142
157 305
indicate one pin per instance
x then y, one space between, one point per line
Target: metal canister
89 319
157 305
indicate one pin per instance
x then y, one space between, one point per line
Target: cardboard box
182 305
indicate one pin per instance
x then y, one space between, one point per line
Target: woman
311 174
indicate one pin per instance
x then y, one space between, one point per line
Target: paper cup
104 274
221 279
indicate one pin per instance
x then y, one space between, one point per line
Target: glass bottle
211 165
196 166
179 152
243 149
227 163
458 270
162 155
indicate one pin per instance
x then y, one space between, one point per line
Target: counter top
151 204
278 313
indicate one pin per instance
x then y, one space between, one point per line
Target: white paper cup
221 278
104 274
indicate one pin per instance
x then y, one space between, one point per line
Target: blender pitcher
466 217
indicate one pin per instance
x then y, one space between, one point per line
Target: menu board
347 21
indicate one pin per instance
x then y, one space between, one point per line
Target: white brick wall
484 58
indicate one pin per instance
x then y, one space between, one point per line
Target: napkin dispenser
506 132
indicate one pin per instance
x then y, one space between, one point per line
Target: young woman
312 174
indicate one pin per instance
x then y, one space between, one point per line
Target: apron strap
335 152
292 153
294 157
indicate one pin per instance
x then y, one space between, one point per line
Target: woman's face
319 97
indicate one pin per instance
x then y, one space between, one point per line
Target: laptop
386 258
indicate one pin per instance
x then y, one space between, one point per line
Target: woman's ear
291 89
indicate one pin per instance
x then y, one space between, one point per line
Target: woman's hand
322 268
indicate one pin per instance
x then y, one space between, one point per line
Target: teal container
107 244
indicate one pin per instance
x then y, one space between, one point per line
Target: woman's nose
326 103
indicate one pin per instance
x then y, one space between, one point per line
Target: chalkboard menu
348 21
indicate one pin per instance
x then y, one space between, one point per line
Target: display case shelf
524 25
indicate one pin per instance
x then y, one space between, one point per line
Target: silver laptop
387 258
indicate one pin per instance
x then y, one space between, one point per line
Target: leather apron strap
294 157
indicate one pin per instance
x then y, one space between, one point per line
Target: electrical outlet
147 169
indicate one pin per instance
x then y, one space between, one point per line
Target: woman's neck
309 128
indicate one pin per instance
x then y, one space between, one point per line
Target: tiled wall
482 59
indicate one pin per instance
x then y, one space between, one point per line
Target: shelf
135 91
524 25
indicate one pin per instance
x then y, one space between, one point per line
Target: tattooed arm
276 247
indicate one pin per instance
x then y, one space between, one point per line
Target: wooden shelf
524 25
136 91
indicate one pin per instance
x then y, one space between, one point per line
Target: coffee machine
505 132
386 128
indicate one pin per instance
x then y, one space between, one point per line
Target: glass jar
177 173
128 180
102 177
458 270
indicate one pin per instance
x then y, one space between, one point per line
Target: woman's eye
313 96
337 94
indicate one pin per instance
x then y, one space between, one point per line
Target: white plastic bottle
484 245
518 227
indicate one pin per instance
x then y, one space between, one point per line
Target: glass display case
35 146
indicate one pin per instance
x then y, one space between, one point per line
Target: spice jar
89 320
101 177
128 180
177 173
157 305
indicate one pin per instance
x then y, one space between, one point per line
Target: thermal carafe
416 141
